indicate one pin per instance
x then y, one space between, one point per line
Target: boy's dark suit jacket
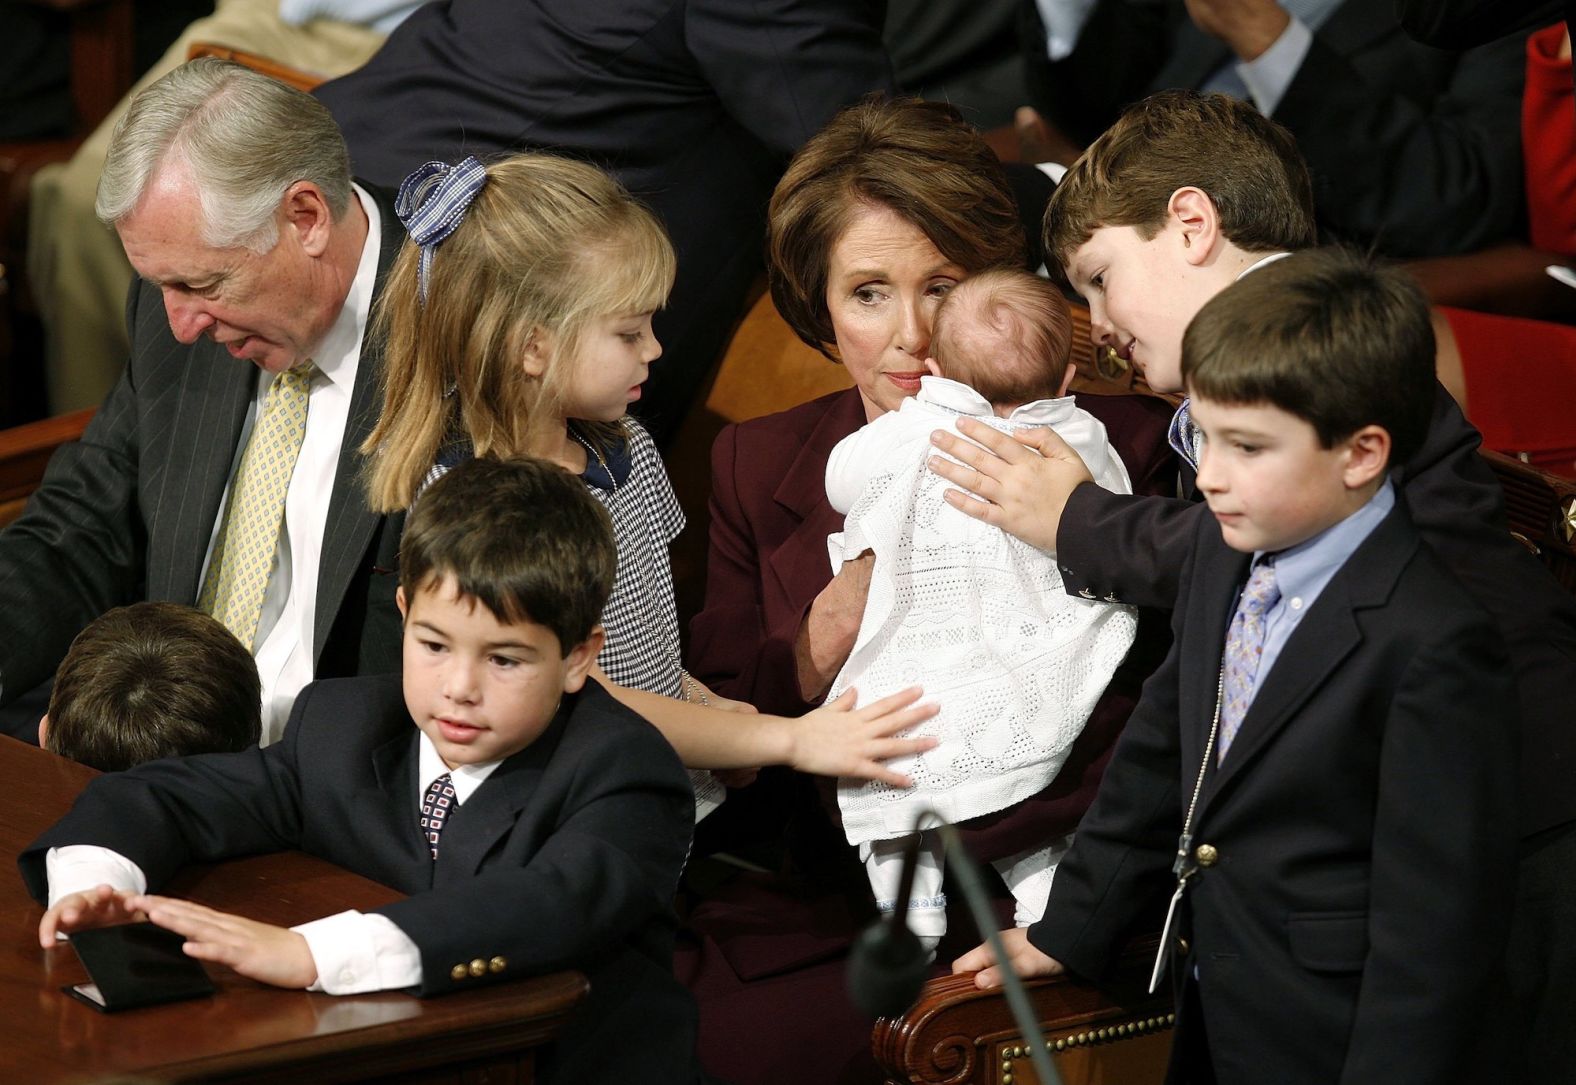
767 563
1414 149
1365 856
566 857
1137 547
127 513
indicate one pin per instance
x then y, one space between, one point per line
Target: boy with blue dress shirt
1319 773
536 823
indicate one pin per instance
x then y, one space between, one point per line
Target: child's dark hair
522 537
1248 165
1326 335
153 680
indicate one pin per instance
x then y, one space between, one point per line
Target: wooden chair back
292 77
959 1035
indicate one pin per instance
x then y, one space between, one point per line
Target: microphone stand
888 966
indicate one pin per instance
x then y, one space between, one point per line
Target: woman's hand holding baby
1018 482
831 626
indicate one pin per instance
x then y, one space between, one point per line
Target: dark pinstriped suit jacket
126 513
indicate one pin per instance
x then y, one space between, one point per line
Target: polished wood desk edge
495 1028
497 1020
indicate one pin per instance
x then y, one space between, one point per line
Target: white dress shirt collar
466 779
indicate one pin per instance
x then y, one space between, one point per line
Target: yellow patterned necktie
243 554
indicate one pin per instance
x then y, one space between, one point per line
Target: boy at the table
536 823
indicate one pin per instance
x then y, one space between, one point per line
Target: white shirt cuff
76 868
1064 21
1268 76
355 953
1054 170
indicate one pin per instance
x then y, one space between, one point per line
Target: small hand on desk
259 951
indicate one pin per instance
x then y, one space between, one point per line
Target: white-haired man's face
270 308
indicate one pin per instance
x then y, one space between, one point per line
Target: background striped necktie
245 550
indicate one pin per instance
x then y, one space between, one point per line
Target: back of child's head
523 537
1005 333
1325 335
548 245
153 680
1248 165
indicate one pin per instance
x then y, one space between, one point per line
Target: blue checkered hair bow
432 203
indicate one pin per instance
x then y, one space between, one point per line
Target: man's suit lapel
1353 26
1194 57
1326 637
802 558
215 391
351 521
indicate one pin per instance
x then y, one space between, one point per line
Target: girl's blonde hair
548 245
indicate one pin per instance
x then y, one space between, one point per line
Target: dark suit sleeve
1123 849
1459 24
1458 507
782 68
1443 858
1121 47
611 863
1418 175
79 547
732 649
1125 546
165 814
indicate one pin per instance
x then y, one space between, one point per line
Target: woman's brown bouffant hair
921 161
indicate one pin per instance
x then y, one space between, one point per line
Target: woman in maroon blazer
877 217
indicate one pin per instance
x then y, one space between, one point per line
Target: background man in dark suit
1412 149
694 105
232 195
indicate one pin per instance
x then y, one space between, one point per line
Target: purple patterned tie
435 807
1244 646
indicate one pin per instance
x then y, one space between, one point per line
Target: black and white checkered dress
641 618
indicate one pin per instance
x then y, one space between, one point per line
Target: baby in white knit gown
976 616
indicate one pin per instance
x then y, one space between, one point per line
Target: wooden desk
247 1032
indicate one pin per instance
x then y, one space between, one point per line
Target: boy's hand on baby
101 906
839 740
1026 961
259 951
1018 482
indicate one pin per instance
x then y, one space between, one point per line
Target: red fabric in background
1548 142
1521 383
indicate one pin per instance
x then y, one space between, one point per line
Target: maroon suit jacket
767 563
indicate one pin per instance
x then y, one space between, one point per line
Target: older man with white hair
203 479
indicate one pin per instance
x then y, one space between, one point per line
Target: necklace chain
594 451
